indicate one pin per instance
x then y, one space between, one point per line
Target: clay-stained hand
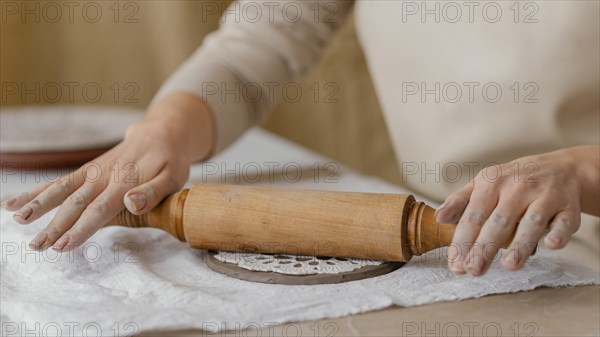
534 194
151 163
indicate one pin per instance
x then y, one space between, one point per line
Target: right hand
151 163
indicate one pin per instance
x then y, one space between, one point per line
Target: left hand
537 192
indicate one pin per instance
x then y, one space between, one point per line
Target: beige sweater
462 85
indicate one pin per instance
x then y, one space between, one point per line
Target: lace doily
294 265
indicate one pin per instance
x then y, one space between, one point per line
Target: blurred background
61 52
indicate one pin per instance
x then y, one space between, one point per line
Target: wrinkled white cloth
130 280
141 279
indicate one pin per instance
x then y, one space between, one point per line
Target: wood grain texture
297 222
388 227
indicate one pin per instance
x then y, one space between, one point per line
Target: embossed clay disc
296 270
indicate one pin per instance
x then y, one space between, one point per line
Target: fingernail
555 239
137 201
512 259
439 218
23 214
442 206
454 260
475 265
448 217
38 241
456 268
9 202
61 243
453 253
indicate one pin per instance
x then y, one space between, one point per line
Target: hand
151 163
536 192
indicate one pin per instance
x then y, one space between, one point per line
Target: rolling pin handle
168 216
424 232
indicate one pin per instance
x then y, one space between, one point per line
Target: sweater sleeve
239 71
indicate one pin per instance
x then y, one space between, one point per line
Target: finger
496 230
30 209
102 209
54 195
17 202
66 216
99 212
454 206
145 197
562 227
483 201
530 230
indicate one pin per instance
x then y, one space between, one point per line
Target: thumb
143 198
454 206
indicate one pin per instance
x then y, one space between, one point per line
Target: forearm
587 159
240 70
183 121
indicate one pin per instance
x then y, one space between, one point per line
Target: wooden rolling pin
390 227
